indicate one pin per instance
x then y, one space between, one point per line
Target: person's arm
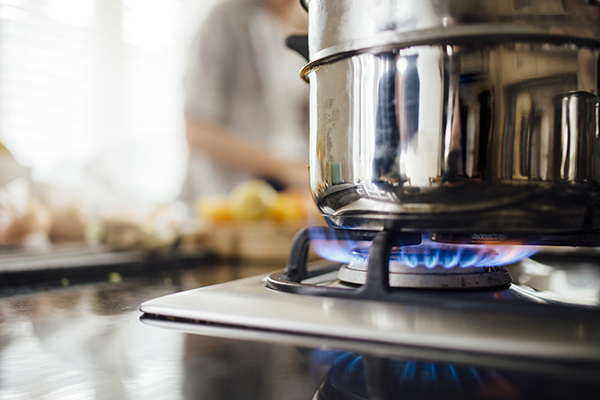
228 148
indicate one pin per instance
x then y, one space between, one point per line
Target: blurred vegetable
37 219
216 208
160 229
288 206
68 225
252 200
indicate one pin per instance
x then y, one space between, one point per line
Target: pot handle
298 43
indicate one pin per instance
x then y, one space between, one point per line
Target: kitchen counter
85 341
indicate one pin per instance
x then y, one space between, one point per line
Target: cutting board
264 241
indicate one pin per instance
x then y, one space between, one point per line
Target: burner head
401 276
432 268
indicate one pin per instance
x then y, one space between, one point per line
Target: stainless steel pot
448 115
338 27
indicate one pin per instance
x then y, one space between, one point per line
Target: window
90 92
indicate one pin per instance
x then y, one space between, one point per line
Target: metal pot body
494 136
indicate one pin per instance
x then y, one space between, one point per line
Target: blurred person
246 106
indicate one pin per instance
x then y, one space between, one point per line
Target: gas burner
432 267
380 263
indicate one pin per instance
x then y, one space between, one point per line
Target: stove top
510 321
548 318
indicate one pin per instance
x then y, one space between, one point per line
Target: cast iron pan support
377 285
378 271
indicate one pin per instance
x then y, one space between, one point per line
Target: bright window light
91 96
150 24
79 13
12 13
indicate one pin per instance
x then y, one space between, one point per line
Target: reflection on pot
497 137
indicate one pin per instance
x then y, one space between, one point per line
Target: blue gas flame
428 254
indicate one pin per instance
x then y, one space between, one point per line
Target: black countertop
85 341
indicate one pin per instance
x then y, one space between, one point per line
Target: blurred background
93 158
91 96
92 127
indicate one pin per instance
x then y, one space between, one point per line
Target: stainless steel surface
476 137
337 27
504 325
557 373
356 345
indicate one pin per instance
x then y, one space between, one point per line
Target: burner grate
377 283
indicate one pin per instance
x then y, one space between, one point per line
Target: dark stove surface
356 376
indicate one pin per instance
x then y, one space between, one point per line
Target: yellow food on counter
216 208
254 222
252 200
288 207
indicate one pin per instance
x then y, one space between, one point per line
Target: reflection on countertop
86 341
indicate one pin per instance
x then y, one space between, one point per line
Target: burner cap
421 270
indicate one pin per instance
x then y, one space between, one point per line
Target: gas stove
404 294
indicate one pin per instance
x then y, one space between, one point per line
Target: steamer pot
338 27
455 116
